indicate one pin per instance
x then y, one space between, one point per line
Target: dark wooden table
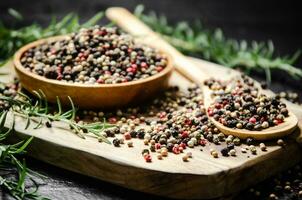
253 20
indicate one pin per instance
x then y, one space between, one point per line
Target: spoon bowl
91 96
288 126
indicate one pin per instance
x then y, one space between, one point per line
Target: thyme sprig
195 39
14 38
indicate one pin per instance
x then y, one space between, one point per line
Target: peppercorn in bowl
240 108
97 67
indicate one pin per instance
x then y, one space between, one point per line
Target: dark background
257 20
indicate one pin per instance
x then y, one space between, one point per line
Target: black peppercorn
249 141
230 146
48 124
225 152
116 142
133 134
141 134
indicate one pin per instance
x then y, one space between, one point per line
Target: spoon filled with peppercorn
237 107
97 67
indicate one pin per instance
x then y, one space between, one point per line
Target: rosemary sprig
12 39
8 162
212 45
40 109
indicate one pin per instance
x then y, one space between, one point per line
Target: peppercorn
239 125
253 149
152 148
300 193
148 158
262 147
214 154
249 141
232 152
146 142
185 158
141 134
225 152
127 136
116 142
145 151
170 147
191 144
164 152
228 140
48 124
280 142
273 196
230 146
236 141
216 139
130 144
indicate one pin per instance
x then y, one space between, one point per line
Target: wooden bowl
91 96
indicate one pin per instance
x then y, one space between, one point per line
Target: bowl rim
21 68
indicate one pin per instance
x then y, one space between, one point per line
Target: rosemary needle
195 39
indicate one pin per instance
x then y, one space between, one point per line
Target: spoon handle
131 24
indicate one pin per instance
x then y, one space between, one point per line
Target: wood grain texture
91 96
202 177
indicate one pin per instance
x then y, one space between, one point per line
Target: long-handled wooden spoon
134 26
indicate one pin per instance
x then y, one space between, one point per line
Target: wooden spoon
91 96
134 26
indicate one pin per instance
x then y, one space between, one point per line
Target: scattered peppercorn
232 152
130 144
48 124
253 149
116 142
262 147
280 142
185 158
214 154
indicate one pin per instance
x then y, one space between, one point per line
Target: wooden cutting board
202 177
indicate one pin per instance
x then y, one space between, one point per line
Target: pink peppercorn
144 65
100 81
252 120
129 69
112 120
157 146
159 68
188 122
183 145
184 134
202 142
175 150
147 157
134 66
217 106
210 112
127 136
